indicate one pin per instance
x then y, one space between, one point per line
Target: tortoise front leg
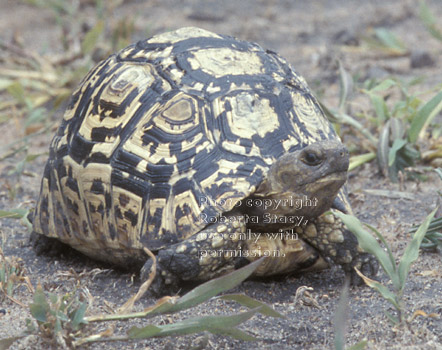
329 235
206 255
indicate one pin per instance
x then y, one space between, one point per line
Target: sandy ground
312 36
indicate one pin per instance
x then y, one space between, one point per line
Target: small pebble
346 37
420 58
200 342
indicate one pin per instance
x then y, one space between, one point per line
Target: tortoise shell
170 130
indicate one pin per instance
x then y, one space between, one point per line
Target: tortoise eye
311 158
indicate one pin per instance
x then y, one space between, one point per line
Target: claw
164 282
366 263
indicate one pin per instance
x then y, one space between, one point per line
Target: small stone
346 37
420 58
200 343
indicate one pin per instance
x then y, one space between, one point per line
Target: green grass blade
37 115
340 319
359 346
424 116
395 148
196 296
213 287
380 107
435 225
383 85
343 118
369 243
91 38
397 129
389 40
6 343
213 324
432 241
346 86
40 307
78 317
429 20
383 149
17 213
3 273
394 320
333 117
251 304
412 251
386 293
384 242
17 91
148 331
360 159
234 333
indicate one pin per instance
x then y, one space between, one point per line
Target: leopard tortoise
207 150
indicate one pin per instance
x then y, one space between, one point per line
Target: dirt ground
312 35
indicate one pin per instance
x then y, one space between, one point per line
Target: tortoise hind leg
206 255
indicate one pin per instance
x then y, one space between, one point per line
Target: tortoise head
305 182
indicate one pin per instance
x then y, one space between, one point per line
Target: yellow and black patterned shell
170 129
